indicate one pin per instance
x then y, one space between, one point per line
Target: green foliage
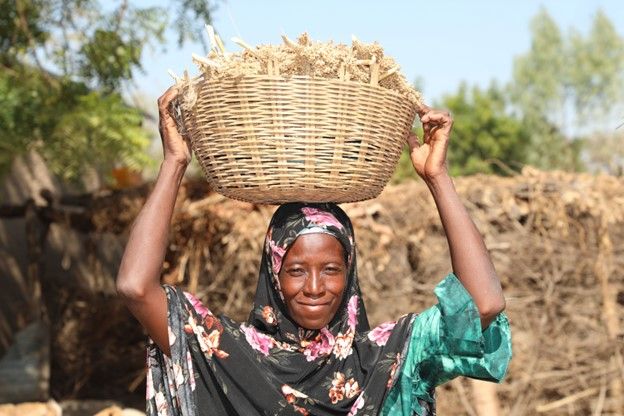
108 59
537 76
569 90
71 126
102 131
598 84
560 111
64 65
485 138
550 148
189 12
21 25
596 70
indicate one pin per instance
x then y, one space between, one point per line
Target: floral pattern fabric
268 365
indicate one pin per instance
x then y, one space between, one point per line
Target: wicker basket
270 139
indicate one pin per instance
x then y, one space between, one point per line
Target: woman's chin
312 317
312 323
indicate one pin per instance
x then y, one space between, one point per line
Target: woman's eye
295 272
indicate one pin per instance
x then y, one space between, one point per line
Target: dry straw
299 121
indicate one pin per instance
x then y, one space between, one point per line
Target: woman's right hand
175 147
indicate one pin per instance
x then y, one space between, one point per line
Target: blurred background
536 90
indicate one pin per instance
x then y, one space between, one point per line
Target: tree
540 90
569 91
65 67
485 137
598 82
596 72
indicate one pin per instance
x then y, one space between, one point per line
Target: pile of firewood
556 239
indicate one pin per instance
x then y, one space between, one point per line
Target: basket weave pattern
270 139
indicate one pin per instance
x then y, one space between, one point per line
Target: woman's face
313 278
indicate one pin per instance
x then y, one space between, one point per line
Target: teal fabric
446 341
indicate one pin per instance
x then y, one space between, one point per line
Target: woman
307 347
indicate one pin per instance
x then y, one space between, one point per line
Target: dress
445 341
270 365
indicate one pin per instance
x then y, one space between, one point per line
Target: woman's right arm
138 279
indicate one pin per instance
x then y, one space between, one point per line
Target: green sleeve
446 341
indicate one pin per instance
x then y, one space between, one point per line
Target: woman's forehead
317 241
316 248
304 220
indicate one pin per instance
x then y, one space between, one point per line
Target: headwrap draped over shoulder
269 365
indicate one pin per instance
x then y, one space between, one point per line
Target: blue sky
442 42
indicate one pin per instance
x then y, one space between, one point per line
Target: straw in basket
270 138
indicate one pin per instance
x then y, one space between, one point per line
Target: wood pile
556 239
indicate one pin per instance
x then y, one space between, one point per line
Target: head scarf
271 366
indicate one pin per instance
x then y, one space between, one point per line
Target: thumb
413 141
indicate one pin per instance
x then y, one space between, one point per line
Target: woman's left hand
429 157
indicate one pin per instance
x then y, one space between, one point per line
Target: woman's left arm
469 257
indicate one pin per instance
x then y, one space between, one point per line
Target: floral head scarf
289 222
269 365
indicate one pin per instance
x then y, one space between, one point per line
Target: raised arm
469 257
138 279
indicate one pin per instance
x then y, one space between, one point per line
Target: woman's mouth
314 306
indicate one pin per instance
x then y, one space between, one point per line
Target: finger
437 117
433 131
167 123
435 111
413 141
422 110
166 120
172 90
426 131
167 97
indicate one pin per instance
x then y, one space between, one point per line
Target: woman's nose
314 286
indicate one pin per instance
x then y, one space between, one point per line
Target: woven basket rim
251 176
267 77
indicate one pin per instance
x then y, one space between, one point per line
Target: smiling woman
307 347
313 278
